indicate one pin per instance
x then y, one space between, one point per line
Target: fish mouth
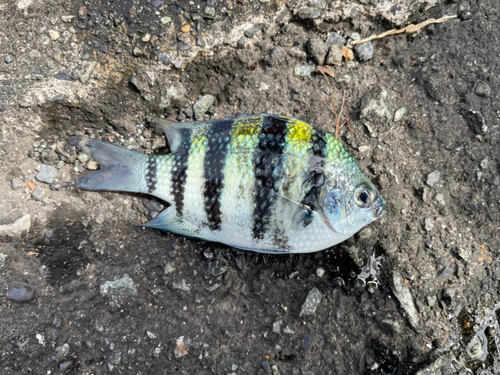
378 208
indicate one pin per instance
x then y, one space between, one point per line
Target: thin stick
410 29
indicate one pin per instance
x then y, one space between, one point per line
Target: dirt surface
87 291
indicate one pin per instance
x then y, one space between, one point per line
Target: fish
265 183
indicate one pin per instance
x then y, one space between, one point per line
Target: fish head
348 202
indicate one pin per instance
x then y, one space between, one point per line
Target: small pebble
266 367
165 20
54 35
334 55
428 224
399 114
311 303
317 49
482 89
320 272
16 183
47 174
210 12
307 342
21 294
203 105
38 194
303 70
125 285
63 76
250 33
186 28
335 39
146 38
347 54
84 78
8 59
433 178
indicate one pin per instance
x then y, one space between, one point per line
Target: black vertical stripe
179 170
151 174
218 139
268 162
318 140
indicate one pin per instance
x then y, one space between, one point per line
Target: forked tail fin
121 169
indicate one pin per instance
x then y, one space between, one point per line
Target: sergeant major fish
265 183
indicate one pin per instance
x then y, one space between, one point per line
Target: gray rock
8 59
17 228
173 94
266 367
364 51
84 78
210 12
185 287
57 99
125 285
277 56
21 294
200 42
335 39
63 350
334 55
277 326
309 14
51 64
38 194
63 76
302 70
317 49
219 266
2 259
428 224
433 178
374 105
203 105
447 271
154 205
345 79
54 35
63 366
403 294
311 303
307 342
47 174
482 89
16 183
250 33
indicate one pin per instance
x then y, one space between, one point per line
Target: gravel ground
86 291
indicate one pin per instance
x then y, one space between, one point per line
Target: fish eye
364 195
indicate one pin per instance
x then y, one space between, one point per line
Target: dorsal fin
175 131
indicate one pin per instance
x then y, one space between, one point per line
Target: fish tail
121 169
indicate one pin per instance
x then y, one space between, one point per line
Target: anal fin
168 220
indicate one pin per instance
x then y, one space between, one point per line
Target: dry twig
410 29
328 70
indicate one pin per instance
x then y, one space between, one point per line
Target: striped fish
265 183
